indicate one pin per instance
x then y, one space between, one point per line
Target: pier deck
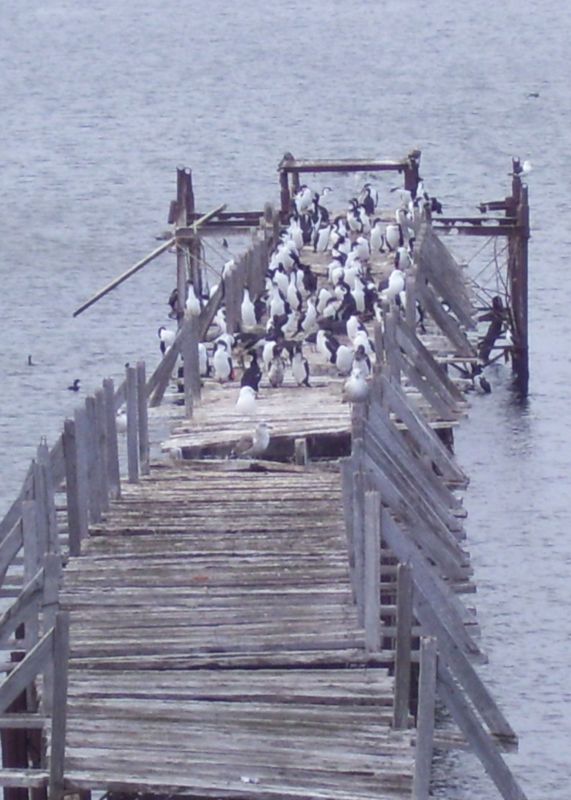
215 647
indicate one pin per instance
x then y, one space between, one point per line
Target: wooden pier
274 627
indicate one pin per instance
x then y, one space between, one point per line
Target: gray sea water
101 100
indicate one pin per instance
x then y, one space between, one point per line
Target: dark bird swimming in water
74 386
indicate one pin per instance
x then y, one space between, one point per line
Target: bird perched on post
166 338
252 446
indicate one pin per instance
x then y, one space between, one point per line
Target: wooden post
33 556
75 485
60 654
132 427
50 604
191 364
41 511
403 646
112 458
43 458
425 719
300 451
518 280
358 525
372 572
101 446
410 308
183 195
93 461
285 196
143 419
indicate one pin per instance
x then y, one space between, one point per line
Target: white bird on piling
121 421
166 337
253 446
246 402
192 302
355 389
247 311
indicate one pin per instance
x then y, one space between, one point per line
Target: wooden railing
401 506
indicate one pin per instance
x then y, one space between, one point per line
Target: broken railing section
407 561
245 272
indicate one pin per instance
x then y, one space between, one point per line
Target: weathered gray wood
348 501
44 459
410 302
301 451
142 419
160 378
441 407
391 349
426 440
27 669
50 607
358 494
479 739
433 546
23 606
94 480
10 546
60 654
380 354
41 509
191 366
101 446
445 322
76 489
403 646
425 362
132 426
447 609
57 463
34 553
21 721
12 516
112 457
372 572
23 778
425 719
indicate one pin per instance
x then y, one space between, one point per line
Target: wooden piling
112 457
372 572
60 655
403 646
132 426
425 719
143 419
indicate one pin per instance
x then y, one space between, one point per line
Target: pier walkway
270 628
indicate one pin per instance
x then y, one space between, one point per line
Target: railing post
93 461
101 448
132 427
358 524
425 719
60 651
190 363
43 457
403 646
372 572
143 418
32 559
50 605
113 469
75 486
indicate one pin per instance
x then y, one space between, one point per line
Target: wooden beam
372 572
27 669
425 719
60 644
403 646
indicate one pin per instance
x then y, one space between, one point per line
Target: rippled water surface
100 101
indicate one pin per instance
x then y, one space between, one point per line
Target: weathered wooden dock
277 627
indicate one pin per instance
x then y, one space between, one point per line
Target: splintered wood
215 647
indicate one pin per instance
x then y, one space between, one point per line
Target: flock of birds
301 307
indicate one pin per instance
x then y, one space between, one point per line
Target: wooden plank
479 739
445 322
372 572
23 778
425 719
12 516
10 547
101 449
403 646
424 437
